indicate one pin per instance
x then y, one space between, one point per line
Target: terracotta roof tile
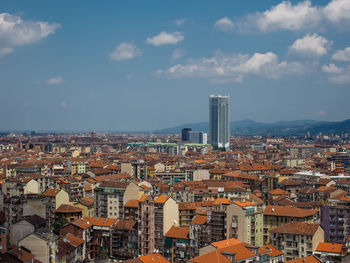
220 201
298 228
199 220
132 203
125 224
100 221
226 243
161 199
178 232
64 208
244 204
270 250
50 192
153 258
143 198
329 247
274 210
73 240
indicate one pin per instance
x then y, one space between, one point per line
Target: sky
144 65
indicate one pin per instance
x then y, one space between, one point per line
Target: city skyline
84 66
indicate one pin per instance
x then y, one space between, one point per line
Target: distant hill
280 128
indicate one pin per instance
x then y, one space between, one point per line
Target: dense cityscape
174 197
166 131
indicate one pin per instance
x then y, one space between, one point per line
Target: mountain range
280 128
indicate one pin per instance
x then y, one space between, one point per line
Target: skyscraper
219 125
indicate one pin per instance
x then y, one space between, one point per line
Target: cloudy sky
144 65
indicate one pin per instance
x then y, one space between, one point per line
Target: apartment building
187 210
297 239
156 216
218 218
335 218
245 222
275 216
200 233
125 239
110 198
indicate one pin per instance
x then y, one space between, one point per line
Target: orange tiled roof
199 220
161 199
82 223
329 247
298 228
22 254
240 249
178 232
275 210
50 192
132 203
101 221
224 201
270 250
244 204
143 198
64 208
73 240
125 224
278 191
226 243
152 258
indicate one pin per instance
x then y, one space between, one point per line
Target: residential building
245 222
110 198
275 216
297 239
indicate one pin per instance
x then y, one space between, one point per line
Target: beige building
59 197
110 198
43 247
245 222
297 239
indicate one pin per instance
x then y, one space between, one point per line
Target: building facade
219 125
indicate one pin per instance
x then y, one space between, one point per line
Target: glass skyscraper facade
219 124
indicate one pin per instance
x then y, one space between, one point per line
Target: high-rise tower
219 125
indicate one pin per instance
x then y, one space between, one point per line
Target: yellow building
87 206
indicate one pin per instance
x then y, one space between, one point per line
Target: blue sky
145 65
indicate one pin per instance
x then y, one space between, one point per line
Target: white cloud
165 38
224 24
342 55
288 16
177 53
332 69
311 45
55 80
16 32
180 22
299 16
6 50
125 51
337 10
234 67
337 75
